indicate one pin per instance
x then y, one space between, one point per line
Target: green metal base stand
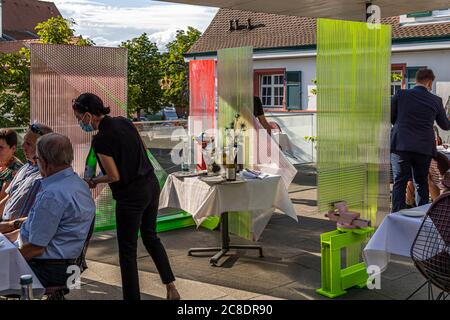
174 221
183 220
334 279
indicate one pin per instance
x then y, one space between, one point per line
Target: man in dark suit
413 113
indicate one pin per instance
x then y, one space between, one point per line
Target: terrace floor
289 270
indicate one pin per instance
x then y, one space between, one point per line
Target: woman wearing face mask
126 168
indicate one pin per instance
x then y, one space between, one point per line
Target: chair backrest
81 261
443 162
431 248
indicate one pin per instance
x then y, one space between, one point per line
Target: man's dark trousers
404 166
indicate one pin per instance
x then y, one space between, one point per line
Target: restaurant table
202 199
12 267
395 235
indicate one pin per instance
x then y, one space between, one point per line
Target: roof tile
272 30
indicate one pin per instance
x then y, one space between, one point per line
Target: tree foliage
176 69
56 30
15 88
144 73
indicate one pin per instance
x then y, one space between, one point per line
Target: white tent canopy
336 9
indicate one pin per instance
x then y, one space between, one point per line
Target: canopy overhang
336 9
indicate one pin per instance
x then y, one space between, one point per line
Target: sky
109 22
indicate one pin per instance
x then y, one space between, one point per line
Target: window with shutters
272 90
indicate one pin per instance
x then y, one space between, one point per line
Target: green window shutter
293 90
411 76
420 14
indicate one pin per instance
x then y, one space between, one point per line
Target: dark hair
424 74
89 102
10 137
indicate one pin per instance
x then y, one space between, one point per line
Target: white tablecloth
261 196
395 235
12 266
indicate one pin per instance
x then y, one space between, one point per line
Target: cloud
109 22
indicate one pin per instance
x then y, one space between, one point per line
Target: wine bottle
230 167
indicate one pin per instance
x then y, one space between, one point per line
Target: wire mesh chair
431 248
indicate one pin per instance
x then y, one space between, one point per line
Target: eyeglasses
35 129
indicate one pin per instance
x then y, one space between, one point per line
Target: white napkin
251 174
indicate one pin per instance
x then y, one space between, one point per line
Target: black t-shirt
118 138
258 109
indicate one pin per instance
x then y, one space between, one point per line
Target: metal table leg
225 246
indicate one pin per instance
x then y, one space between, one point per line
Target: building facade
18 20
285 60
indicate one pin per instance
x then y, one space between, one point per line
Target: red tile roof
272 31
14 46
20 17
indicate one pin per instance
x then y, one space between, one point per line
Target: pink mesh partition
60 73
202 99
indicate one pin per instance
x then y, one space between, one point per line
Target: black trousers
139 212
50 275
404 166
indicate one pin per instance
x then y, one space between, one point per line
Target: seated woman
9 164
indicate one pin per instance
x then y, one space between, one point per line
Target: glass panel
353 122
235 84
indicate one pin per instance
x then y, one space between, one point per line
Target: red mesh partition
60 73
202 99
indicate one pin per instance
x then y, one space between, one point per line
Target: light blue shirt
60 217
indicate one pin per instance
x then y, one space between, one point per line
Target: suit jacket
413 113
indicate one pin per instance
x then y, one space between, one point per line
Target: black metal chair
430 251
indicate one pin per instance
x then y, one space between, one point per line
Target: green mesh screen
235 87
353 85
106 205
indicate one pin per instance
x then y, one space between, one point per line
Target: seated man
20 194
53 236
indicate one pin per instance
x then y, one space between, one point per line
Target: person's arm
30 251
48 212
111 172
394 108
441 118
3 204
13 235
6 226
10 226
3 193
265 124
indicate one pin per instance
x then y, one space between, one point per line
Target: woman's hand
91 183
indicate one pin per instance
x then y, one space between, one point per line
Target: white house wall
438 61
